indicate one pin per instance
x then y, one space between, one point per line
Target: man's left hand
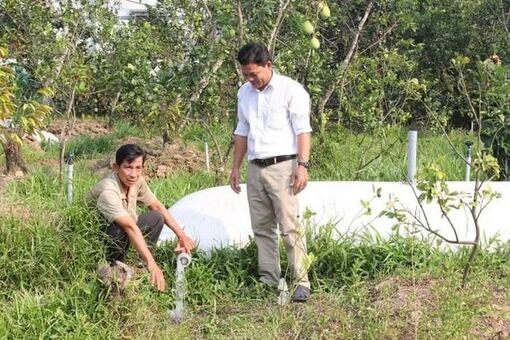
300 179
157 278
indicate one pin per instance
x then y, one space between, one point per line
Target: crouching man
116 198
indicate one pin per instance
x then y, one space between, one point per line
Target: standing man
274 128
116 198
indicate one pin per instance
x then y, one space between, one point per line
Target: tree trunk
166 137
13 159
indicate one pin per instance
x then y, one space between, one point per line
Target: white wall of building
125 7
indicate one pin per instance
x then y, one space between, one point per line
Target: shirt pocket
278 118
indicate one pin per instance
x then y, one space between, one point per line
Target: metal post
207 165
412 140
469 146
70 173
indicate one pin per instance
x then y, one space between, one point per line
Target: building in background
129 8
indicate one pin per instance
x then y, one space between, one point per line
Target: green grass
364 287
49 289
196 134
341 155
182 183
85 145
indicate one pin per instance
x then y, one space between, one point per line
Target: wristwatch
304 164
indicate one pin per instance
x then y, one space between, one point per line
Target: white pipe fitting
184 259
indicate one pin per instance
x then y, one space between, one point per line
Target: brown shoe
117 275
301 294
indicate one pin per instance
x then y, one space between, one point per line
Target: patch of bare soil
495 324
16 210
409 303
162 160
3 180
79 127
406 301
172 157
6 178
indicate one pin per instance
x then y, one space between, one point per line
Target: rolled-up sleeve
299 110
243 127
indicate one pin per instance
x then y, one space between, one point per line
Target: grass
85 146
182 184
343 155
363 287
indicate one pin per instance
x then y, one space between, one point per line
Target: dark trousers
117 241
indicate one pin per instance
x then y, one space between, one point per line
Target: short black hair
129 152
254 53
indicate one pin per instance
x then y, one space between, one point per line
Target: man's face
258 76
129 173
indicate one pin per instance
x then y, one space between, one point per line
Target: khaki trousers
273 205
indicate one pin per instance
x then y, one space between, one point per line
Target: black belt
271 160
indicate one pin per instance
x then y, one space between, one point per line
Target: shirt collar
119 183
273 82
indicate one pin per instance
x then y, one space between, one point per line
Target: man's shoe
268 282
117 276
104 275
301 294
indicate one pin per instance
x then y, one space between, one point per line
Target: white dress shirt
272 118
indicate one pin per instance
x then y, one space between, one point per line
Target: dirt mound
162 160
76 128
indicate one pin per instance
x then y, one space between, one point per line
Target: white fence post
469 146
412 141
207 164
70 174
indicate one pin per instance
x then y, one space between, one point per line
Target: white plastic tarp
218 217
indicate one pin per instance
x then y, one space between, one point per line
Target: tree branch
343 66
362 166
443 130
378 41
450 223
506 19
277 25
240 22
216 143
205 80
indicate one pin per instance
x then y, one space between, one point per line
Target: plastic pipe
412 141
207 166
70 174
183 259
469 146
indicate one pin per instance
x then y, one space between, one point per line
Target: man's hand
234 181
185 244
300 179
157 278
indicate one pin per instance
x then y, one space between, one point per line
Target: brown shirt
112 203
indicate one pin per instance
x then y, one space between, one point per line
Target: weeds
342 155
50 251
